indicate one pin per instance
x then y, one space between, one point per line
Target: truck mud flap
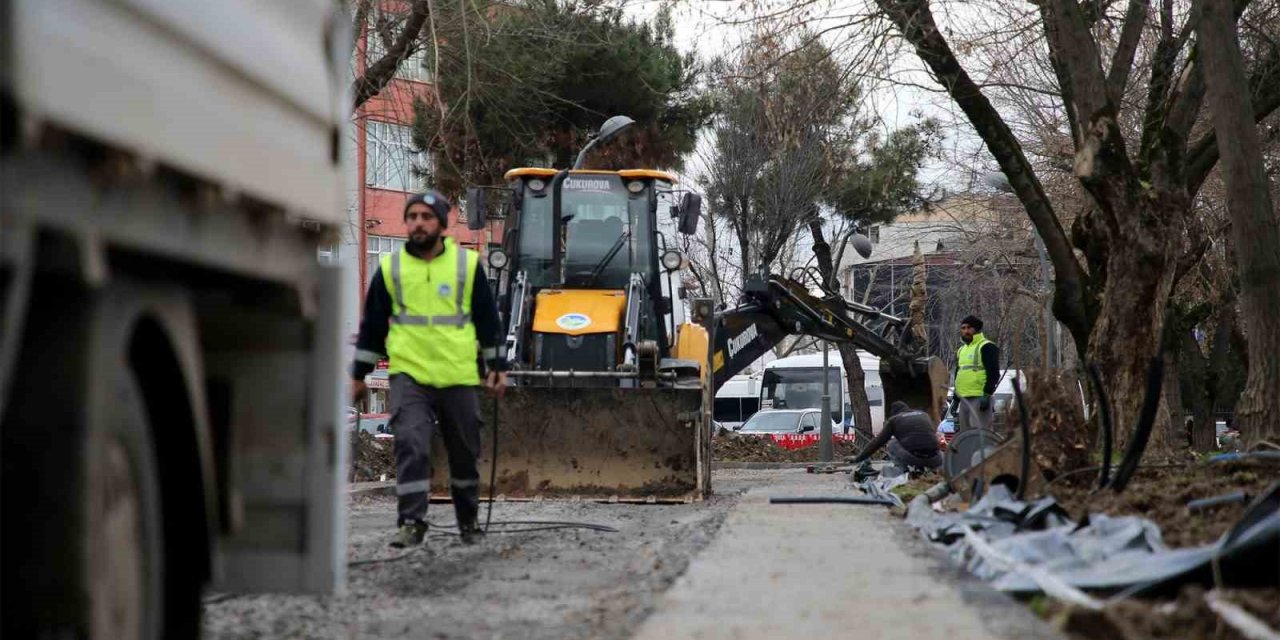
630 445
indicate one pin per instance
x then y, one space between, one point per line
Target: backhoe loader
611 386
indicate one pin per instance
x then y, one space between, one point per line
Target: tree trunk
1129 326
855 377
1171 400
1255 227
1198 389
717 292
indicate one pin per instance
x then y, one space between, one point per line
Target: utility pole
825 450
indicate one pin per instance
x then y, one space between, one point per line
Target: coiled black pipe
1141 432
1025 469
1108 432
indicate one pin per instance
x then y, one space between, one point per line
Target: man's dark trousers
416 411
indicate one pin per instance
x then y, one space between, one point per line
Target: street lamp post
825 448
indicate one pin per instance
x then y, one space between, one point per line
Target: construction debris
372 458
1029 548
743 448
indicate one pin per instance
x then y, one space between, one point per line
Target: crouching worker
911 439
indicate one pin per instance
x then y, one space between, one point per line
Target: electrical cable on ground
1105 424
1142 430
1025 455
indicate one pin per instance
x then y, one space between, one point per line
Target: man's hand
955 406
984 403
358 391
496 382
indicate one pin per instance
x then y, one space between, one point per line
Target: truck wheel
122 533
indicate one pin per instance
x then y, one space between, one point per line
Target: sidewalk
794 571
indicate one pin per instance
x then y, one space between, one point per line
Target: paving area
731 567
794 571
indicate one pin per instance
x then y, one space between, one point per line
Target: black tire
122 533
87 559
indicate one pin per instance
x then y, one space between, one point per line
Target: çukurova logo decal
573 321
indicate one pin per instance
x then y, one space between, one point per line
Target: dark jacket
914 430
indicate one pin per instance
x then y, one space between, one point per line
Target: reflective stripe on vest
971 376
432 338
455 320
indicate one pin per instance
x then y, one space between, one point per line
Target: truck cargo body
170 384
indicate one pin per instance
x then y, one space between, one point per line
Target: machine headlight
635 186
537 184
498 259
672 260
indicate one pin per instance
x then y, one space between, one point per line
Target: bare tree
400 36
1139 202
1255 225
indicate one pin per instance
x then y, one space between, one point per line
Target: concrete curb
718 466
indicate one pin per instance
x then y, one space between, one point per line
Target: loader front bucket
922 383
626 444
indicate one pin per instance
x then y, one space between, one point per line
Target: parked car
781 421
1225 436
375 423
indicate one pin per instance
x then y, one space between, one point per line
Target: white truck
171 396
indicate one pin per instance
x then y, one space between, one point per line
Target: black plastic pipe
1105 425
829 500
1025 468
1141 432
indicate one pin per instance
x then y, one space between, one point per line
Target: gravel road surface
547 584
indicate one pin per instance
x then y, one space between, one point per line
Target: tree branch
915 21
377 75
1135 19
1203 155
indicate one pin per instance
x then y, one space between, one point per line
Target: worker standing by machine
428 304
976 374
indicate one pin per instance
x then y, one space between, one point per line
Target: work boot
410 534
471 533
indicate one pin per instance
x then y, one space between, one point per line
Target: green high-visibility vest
971 377
432 338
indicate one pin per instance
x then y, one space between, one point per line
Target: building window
375 248
414 68
874 234
328 254
390 159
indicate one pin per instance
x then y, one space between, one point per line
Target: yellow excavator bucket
624 444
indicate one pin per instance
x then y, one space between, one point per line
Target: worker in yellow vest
975 375
428 305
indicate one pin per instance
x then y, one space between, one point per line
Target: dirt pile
739 448
1189 617
370 458
1161 495
1056 420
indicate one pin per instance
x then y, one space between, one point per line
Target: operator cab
584 274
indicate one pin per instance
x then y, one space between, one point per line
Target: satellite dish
862 245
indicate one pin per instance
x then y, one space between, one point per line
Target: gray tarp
1022 546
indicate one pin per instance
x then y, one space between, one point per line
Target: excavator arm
776 307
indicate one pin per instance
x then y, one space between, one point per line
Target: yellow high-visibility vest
971 377
432 338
